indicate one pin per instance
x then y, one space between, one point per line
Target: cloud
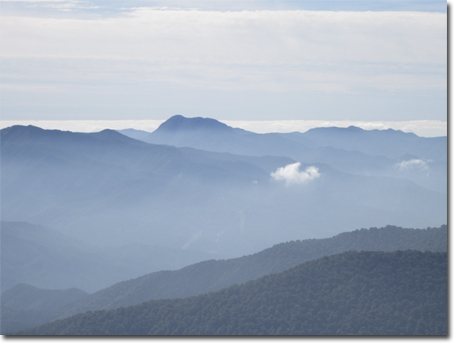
230 65
412 164
34 1
292 175
316 50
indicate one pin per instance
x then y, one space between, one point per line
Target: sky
245 62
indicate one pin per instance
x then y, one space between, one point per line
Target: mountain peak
354 128
179 123
109 134
27 133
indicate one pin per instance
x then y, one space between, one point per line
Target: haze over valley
107 189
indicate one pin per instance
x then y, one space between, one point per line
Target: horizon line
422 128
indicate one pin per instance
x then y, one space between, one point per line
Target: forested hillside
365 293
25 306
213 275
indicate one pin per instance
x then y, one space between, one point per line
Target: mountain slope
211 135
27 297
399 293
135 134
389 143
214 275
85 182
351 150
25 306
48 259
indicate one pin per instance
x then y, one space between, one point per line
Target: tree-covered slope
214 275
395 293
25 306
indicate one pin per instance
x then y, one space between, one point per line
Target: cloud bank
273 50
292 175
250 64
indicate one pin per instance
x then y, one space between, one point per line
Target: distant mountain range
108 189
211 275
210 134
352 149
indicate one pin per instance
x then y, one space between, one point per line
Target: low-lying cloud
292 175
412 164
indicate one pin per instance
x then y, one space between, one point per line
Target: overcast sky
228 60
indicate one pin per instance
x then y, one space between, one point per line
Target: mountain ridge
352 149
271 260
356 293
213 275
99 189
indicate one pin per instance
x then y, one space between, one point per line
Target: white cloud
412 164
292 175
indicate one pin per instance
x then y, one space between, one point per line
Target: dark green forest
354 293
213 275
19 312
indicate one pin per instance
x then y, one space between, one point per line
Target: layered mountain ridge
139 217
106 188
351 149
366 293
213 275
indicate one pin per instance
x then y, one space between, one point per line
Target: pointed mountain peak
109 134
113 136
